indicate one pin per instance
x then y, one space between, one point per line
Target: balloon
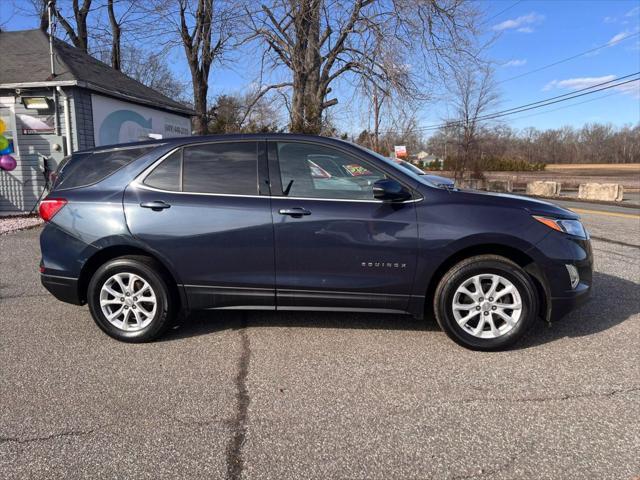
8 150
3 126
4 143
7 162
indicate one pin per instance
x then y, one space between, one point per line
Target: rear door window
167 175
88 168
221 168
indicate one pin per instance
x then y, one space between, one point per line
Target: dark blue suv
142 232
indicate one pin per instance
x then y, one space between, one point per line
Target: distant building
425 159
84 104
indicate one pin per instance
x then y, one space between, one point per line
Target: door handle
294 212
156 205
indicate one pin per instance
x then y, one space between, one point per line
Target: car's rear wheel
486 302
130 299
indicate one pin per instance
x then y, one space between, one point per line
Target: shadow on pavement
613 301
202 323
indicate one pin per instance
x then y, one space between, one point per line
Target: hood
438 180
531 205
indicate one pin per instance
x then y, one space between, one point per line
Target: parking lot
319 395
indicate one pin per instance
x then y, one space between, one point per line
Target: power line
586 52
568 106
541 103
499 114
501 12
573 92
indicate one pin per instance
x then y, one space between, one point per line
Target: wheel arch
105 254
516 255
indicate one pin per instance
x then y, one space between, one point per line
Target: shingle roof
24 58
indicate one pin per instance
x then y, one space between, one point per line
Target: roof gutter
61 83
132 98
95 88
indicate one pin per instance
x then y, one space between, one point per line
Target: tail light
49 207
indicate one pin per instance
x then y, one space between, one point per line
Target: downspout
67 120
53 67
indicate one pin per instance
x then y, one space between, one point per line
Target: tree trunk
200 89
115 38
308 91
377 104
297 104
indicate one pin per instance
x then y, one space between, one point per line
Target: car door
201 210
335 245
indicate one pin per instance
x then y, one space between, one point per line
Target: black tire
147 269
480 265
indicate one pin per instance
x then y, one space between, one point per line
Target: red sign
400 151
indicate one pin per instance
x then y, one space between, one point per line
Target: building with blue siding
52 107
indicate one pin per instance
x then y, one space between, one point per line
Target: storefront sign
115 121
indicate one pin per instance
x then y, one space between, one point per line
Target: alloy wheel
487 306
128 302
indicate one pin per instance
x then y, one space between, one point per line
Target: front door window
314 171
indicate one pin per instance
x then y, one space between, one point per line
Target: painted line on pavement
609 214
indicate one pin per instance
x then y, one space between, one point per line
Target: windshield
422 177
410 166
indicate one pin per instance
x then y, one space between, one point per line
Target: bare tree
321 42
116 37
474 94
75 24
243 113
150 69
40 9
204 37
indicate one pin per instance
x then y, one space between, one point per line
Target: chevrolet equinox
142 232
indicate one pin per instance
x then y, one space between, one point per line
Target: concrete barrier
500 185
544 189
607 192
473 183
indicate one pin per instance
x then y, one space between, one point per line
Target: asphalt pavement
311 395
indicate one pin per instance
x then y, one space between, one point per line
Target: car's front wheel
486 302
130 300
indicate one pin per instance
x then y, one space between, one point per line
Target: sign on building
115 121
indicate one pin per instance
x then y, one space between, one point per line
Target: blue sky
537 33
531 34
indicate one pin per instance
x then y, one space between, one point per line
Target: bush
494 164
435 165
509 165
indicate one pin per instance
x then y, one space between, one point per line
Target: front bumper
557 251
561 306
63 288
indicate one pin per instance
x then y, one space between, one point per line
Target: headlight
572 227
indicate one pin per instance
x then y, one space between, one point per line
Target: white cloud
617 38
515 63
632 88
578 83
610 19
522 23
633 12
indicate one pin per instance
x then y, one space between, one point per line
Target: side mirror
389 190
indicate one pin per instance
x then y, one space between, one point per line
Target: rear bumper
63 288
